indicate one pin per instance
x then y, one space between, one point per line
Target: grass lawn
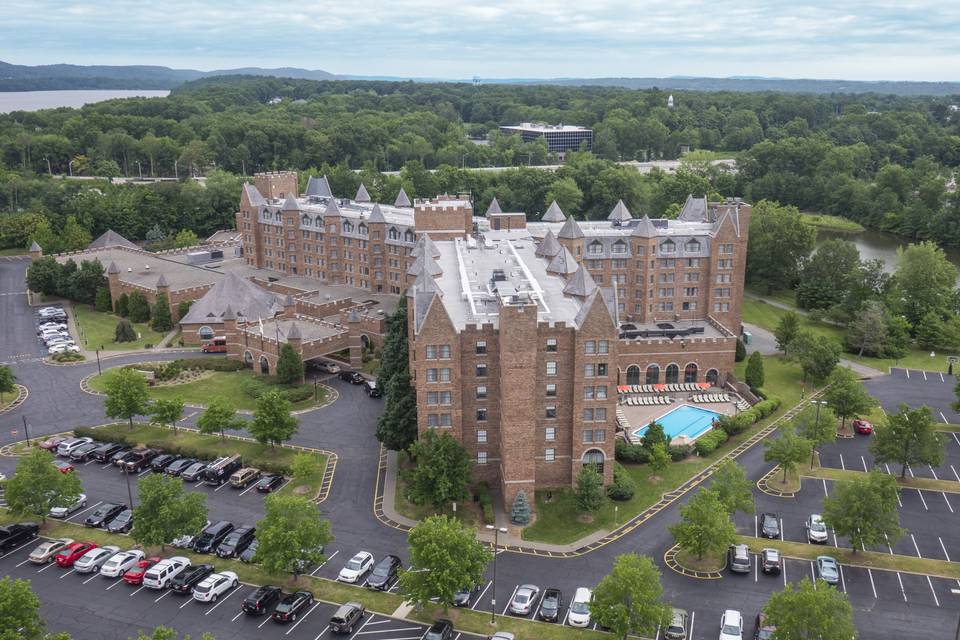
97 330
832 223
371 366
558 520
221 383
14 251
468 512
929 484
707 563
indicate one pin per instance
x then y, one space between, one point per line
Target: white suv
816 530
67 447
731 625
160 574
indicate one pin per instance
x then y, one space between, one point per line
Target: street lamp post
49 170
816 427
99 371
26 429
139 169
126 474
176 174
496 543
70 168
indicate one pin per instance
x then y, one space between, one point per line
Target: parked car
186 540
106 450
770 561
122 523
120 563
828 570
236 541
179 466
862 426
63 512
161 574
346 617
63 347
190 577
13 535
220 470
47 312
51 444
67 447
249 552
242 478
161 462
327 367
92 560
356 567
49 325
463 597
524 599
47 550
117 458
103 514
63 466
261 600
578 615
214 586
769 526
442 629
134 576
353 377
84 453
551 605
816 529
372 388
764 629
270 483
677 629
502 635
739 559
72 552
731 625
385 573
212 536
139 459
292 605
193 472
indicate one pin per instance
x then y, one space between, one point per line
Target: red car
134 576
862 426
72 552
63 466
51 444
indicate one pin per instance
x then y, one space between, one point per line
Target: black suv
179 466
104 514
161 462
292 605
236 541
384 573
212 536
346 617
120 455
353 377
104 452
14 534
190 577
442 629
261 600
769 526
551 604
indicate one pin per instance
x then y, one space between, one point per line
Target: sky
846 39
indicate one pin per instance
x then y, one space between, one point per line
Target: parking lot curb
763 484
8 452
22 394
670 559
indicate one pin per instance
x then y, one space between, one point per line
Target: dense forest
882 160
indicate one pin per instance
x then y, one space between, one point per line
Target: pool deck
640 416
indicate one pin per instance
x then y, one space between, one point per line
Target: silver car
816 530
524 599
63 512
92 560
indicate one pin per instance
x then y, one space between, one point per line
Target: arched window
633 374
305 220
653 374
713 376
248 360
206 333
692 246
264 365
347 226
594 458
690 372
394 234
672 374
409 236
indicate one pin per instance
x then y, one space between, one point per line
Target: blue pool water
686 420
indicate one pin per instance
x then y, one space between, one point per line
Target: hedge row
709 441
255 387
622 487
482 495
739 423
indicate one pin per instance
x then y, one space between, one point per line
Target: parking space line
920 493
325 562
96 575
480 597
252 486
362 626
954 470
67 573
266 619
941 378
367 633
908 373
756 561
924 374
325 629
222 485
234 618
80 513
24 562
945 554
887 467
933 591
813 576
864 461
138 591
902 591
954 434
947 500
910 471
872 585
842 466
693 615
297 623
843 583
162 596
210 610
189 600
889 548
756 526
783 571
899 503
933 472
46 567
825 494
145 472
915 547
509 600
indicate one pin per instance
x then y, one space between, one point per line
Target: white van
160 574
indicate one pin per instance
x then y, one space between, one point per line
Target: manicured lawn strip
832 223
523 629
206 446
868 559
708 563
98 329
950 486
949 428
13 251
775 482
557 520
227 384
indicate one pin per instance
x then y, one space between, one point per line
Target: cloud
499 38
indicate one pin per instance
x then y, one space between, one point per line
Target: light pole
99 371
26 429
176 174
496 543
126 474
816 427
139 169
70 168
49 170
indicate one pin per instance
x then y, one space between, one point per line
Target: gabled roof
254 197
294 332
694 209
318 187
563 263
644 228
403 200
494 207
34 247
581 284
424 284
554 213
239 295
599 300
111 238
733 216
570 230
290 204
333 209
549 247
620 213
376 215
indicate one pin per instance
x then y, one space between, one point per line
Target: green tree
779 242
867 331
567 195
289 366
788 451
272 421
846 396
137 307
74 237
787 330
102 301
161 320
123 305
397 425
589 491
291 536
908 437
186 238
824 277
818 355
37 486
520 509
659 457
219 416
183 307
166 412
443 470
808 611
155 235
127 396
732 487
629 600
754 373
166 511
20 611
924 282
705 525
653 436
304 465
124 331
930 331
7 381
444 557
864 510
818 425
741 351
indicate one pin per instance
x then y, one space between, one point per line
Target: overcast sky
849 39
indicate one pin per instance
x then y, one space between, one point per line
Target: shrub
709 441
680 451
741 352
623 486
102 301
481 494
124 331
298 393
68 356
253 387
147 345
210 364
304 464
631 453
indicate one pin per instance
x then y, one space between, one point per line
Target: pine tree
741 352
754 374
124 331
520 511
137 307
290 366
589 489
123 305
161 321
102 301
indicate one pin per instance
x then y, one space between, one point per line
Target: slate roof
294 332
620 213
581 284
237 294
376 215
35 247
494 207
403 200
333 209
554 213
162 281
111 238
362 194
694 209
563 263
644 228
253 195
424 264
549 247
290 204
425 242
113 268
318 187
570 230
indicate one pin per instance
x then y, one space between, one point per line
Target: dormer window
692 246
394 234
305 220
362 228
409 236
619 246
668 246
595 247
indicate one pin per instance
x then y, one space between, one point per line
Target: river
36 100
878 245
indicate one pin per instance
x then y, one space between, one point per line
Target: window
551 411
433 420
721 307
595 247
603 347
633 375
689 306
599 435
446 397
653 374
668 246
690 373
602 370
481 392
445 375
551 368
588 393
481 457
726 248
667 263
712 376
481 414
601 392
551 345
481 435
589 370
690 292
666 292
206 333
550 434
673 374
481 347
444 352
721 293
548 455
586 436
693 263
691 277
724 278
433 397
431 375
481 371
590 347
446 420
431 352
725 263
620 264
666 278
619 246
692 246
551 390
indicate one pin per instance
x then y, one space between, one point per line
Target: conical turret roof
563 263
554 213
376 215
494 207
362 195
581 284
34 247
549 247
570 230
113 268
620 213
319 187
425 243
290 204
333 209
644 228
294 332
162 281
403 200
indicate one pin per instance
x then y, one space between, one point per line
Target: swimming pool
685 420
